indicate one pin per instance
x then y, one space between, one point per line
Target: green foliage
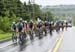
4 36
61 10
48 16
1 32
4 23
73 21
10 10
37 10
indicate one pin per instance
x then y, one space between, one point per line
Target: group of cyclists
38 28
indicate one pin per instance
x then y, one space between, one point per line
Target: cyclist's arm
17 27
12 28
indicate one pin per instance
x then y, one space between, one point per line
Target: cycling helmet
31 21
13 22
25 21
20 19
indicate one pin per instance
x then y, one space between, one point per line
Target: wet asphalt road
68 42
37 45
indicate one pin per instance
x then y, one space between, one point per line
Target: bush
6 21
1 32
4 24
5 36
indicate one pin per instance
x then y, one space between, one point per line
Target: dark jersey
14 26
30 25
39 25
20 26
46 24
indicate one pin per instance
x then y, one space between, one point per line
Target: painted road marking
58 43
49 51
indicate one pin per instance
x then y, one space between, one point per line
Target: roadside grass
5 36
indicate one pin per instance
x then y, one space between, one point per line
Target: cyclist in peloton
66 25
40 30
31 27
46 24
20 30
50 28
25 26
35 28
13 28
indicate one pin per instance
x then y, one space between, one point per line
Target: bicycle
31 34
14 37
40 33
22 37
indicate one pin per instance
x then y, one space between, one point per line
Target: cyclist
50 27
13 28
35 28
26 26
39 28
46 24
57 27
62 26
53 26
31 26
66 25
20 26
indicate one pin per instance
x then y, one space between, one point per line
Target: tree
4 24
49 16
11 10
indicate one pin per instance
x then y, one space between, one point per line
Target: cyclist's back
13 26
31 25
46 24
20 26
14 37
39 25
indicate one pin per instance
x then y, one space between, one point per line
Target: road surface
37 45
59 42
68 42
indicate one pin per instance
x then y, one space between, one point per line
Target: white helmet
25 21
31 21
51 22
13 22
45 21
20 19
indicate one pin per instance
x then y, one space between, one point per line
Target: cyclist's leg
45 30
31 33
13 36
36 32
21 38
24 33
20 35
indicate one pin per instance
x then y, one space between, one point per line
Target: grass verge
5 36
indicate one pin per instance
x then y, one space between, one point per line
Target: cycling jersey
46 24
31 25
14 26
20 26
39 25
